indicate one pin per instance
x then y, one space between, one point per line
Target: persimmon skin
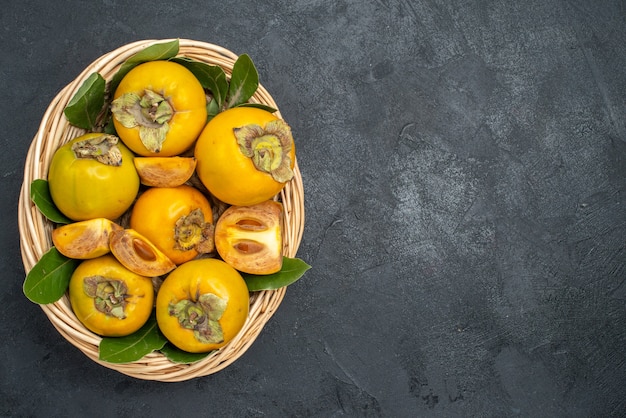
156 211
184 93
139 297
228 174
83 188
192 279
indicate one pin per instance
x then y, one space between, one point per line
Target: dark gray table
464 166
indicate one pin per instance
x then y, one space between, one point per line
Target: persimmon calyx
102 148
201 316
109 295
269 147
193 232
151 112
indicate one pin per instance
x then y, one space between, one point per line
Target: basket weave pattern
35 229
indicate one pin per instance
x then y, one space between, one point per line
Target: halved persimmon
249 238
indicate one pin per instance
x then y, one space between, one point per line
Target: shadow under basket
35 229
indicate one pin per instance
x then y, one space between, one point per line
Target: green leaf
179 356
211 77
84 108
259 106
109 128
40 195
47 281
212 109
134 346
243 82
292 270
163 51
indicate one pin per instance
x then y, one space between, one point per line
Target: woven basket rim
35 238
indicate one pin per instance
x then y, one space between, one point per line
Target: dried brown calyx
201 316
109 295
269 147
101 148
193 232
151 112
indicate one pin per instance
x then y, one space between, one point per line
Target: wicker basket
35 238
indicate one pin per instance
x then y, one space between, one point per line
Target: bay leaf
212 109
134 346
259 106
182 357
85 106
292 270
40 195
161 51
244 81
48 280
109 127
211 77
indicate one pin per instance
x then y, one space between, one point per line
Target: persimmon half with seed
249 238
138 254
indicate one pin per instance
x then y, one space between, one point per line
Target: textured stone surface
464 166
